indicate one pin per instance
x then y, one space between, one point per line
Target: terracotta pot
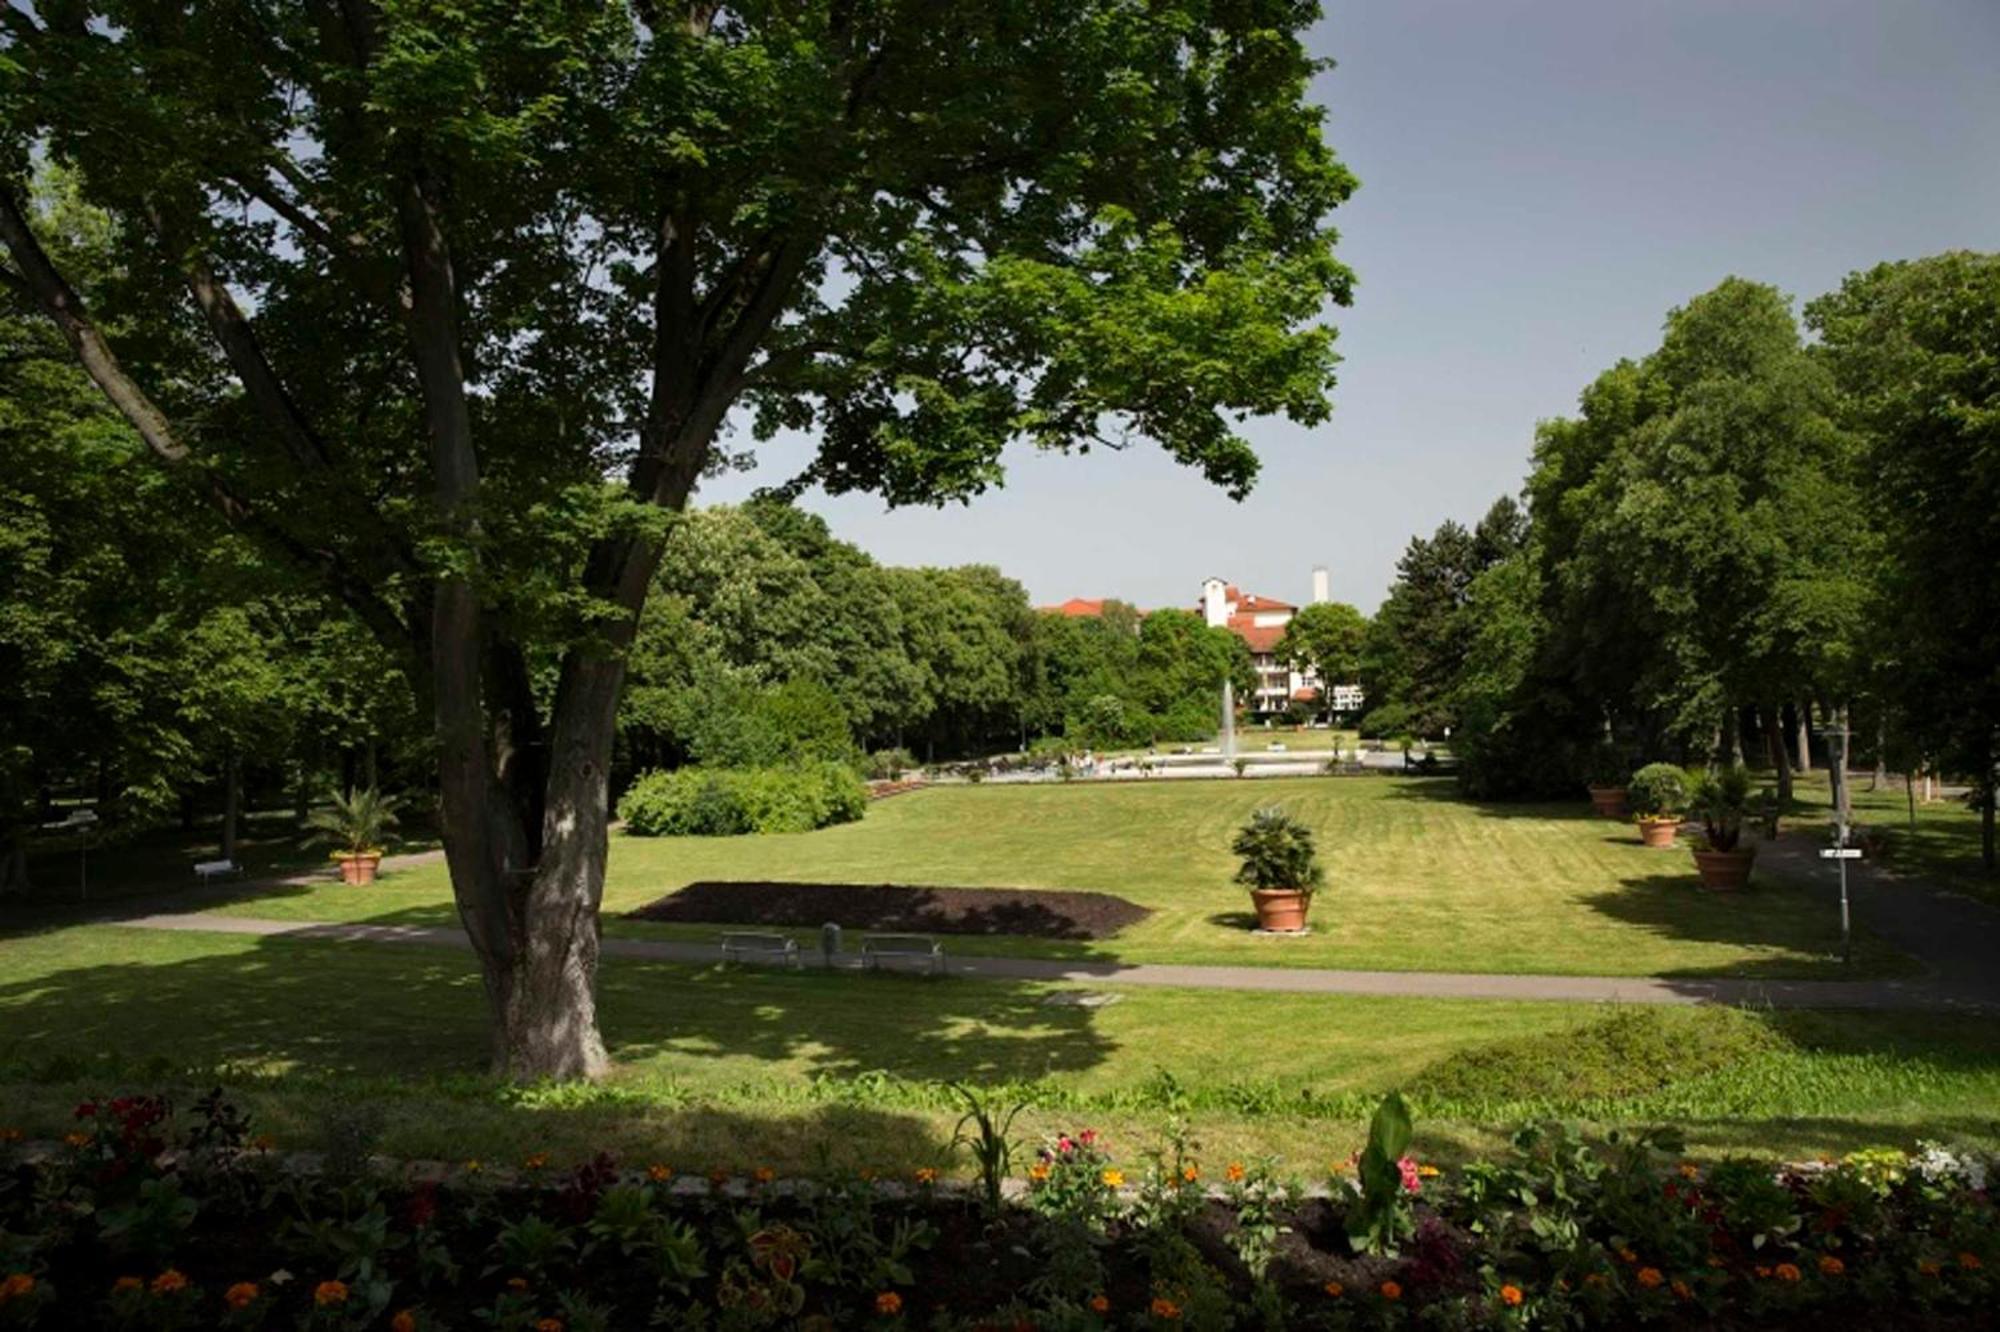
1608 801
1659 832
1281 910
359 870
1725 871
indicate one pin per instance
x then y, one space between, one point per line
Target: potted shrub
355 824
1720 800
1604 777
1281 868
1657 795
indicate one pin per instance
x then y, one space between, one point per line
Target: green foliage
724 802
1277 851
1657 791
1383 1218
1326 638
989 1143
355 822
1720 800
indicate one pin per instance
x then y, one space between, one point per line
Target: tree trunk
1881 773
1780 755
1805 737
14 862
232 799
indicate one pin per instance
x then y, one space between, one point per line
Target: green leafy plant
1721 800
1657 791
987 1141
1383 1216
356 823
1277 851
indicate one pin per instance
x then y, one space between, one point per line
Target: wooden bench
747 945
205 870
920 948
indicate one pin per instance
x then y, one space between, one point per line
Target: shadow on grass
1444 791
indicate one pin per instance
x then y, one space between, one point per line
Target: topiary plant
1277 851
1657 791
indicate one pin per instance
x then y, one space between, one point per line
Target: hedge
723 802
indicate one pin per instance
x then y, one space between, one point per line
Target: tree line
1767 529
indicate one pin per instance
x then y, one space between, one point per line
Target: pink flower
1088 1137
1064 1145
1412 1182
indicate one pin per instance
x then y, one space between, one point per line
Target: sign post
1840 852
83 820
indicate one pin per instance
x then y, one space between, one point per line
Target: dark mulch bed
1043 914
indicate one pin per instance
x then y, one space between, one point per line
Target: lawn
737 1068
1417 879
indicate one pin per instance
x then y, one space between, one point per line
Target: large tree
449 304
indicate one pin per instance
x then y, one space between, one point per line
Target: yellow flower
1650 1277
1689 1170
1235 1172
926 1174
888 1303
473 1166
764 1174
16 1285
1391 1291
1787 1272
169 1282
659 1174
1427 1171
1929 1268
406 1321
241 1295
519 1285
77 1139
1334 1289
1510 1296
1113 1179
329 1293
1039 1171
1165 1308
1830 1265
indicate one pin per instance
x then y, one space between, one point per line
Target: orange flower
1763 1271
1166 1308
263 1142
77 1139
1334 1289
1190 1173
1689 1170
718 1176
1929 1268
1100 1305
537 1161
659 1174
1787 1272
1970 1262
888 1303
763 1174
1627 1256
1039 1171
10 1134
241 1295
1681 1289
1650 1277
1510 1296
16 1285
519 1285
1235 1172
406 1321
926 1174
1391 1291
169 1282
125 1283
329 1293
549 1325
1113 1179
1830 1265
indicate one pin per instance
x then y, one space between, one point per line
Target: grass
736 1068
1417 879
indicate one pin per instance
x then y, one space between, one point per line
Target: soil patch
1040 913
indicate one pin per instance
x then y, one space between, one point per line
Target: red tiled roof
1076 607
1260 637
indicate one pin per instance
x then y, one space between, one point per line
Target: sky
1541 181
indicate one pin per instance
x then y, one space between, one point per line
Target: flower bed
149 1218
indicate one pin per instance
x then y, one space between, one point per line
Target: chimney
1321 585
1214 609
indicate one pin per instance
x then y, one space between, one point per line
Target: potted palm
1720 800
1657 795
1281 867
1604 777
355 824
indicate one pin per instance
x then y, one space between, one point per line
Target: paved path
1919 994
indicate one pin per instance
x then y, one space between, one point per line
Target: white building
1260 622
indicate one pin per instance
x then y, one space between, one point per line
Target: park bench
207 870
920 948
746 945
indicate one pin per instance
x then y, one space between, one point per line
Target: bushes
1657 791
723 802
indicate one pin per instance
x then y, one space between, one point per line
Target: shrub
1387 720
698 802
1657 791
888 764
1277 851
1720 800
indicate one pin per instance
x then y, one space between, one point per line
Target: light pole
1840 852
